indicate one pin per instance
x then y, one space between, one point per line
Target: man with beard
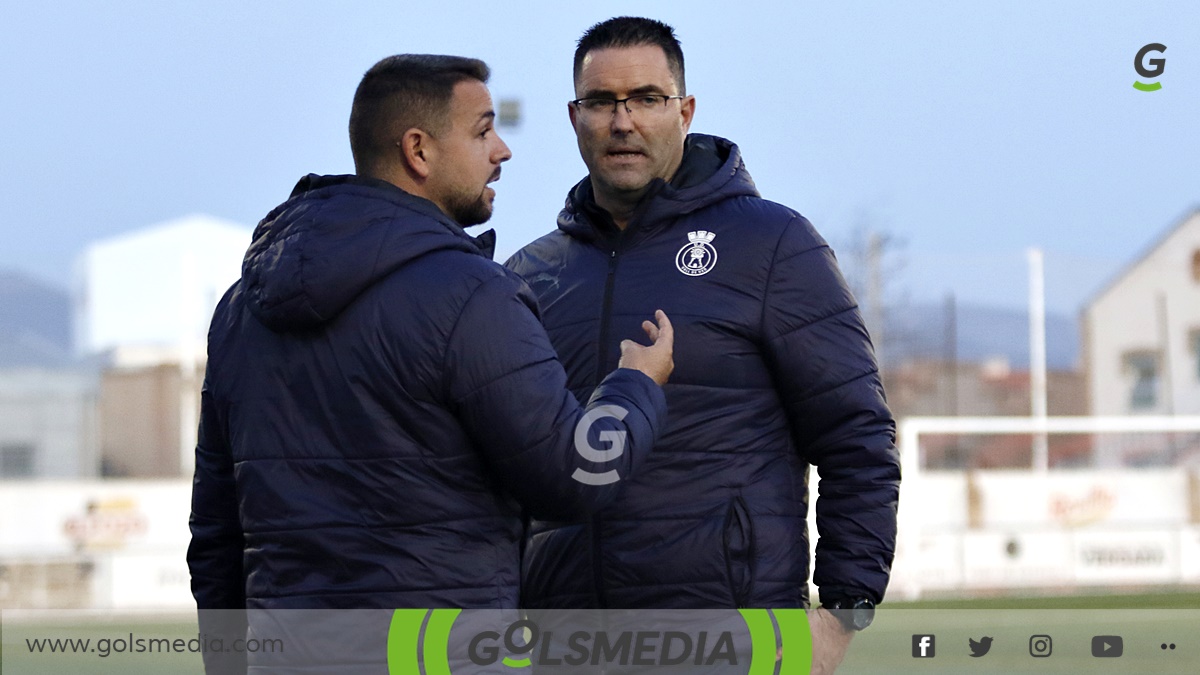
380 399
779 373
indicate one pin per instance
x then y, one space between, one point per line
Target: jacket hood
334 238
711 171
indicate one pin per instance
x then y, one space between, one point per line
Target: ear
571 111
416 148
687 109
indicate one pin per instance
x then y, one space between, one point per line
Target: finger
665 329
628 346
651 331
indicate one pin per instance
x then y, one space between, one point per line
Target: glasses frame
578 103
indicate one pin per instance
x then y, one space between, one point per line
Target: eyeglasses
642 103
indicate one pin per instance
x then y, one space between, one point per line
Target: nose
622 119
501 153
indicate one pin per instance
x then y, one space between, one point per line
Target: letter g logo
615 440
1149 68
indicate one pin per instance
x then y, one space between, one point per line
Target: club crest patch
697 257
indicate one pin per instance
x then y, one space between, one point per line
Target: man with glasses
776 373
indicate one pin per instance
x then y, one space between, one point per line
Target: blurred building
149 407
1141 334
48 423
931 387
143 304
156 286
47 398
990 388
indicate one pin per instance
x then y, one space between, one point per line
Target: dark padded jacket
380 403
774 372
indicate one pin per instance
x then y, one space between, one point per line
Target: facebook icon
923 646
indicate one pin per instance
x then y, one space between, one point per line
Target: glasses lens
649 104
646 103
596 106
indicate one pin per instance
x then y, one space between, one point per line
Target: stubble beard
467 211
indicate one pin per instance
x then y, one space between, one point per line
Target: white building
1142 331
144 301
158 286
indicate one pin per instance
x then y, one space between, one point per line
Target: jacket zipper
601 371
606 308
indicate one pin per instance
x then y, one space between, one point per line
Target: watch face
862 617
853 614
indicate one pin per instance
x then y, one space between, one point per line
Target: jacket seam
852 380
812 323
334 592
373 526
462 310
762 316
510 373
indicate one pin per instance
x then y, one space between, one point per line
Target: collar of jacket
711 171
485 241
335 237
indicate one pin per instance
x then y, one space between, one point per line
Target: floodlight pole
1037 357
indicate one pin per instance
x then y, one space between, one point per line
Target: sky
966 132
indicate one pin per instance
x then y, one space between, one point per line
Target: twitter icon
981 647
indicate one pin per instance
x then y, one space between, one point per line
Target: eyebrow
487 116
637 91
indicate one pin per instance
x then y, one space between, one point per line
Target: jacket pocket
739 551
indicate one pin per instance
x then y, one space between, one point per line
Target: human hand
657 360
830 639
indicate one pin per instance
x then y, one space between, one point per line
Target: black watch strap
854 613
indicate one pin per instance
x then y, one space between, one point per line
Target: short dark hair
402 92
633 31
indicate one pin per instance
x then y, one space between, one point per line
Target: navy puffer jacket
774 373
380 403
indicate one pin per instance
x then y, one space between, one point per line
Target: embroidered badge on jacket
698 256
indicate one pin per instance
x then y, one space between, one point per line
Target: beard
469 210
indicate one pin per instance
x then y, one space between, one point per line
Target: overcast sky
968 131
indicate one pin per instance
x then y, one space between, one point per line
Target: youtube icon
1107 646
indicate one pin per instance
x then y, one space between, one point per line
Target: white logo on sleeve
615 440
697 257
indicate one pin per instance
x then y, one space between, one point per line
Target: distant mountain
920 331
35 322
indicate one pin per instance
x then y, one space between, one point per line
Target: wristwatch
854 613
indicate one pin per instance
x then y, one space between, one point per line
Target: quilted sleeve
559 459
215 554
829 384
